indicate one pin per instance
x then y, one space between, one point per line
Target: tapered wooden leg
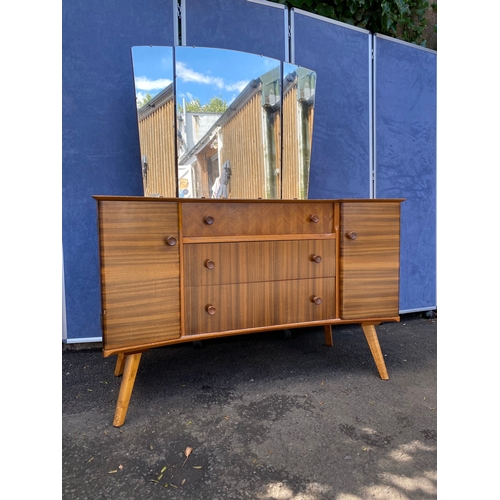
120 365
328 335
378 357
131 366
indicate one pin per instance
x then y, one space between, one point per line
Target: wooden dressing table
178 270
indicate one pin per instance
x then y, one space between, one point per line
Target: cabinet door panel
224 263
139 273
369 260
253 305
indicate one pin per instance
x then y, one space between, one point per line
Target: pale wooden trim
270 237
120 364
131 366
373 343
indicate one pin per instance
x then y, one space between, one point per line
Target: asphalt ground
267 417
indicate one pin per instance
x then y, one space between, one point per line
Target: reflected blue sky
153 69
202 73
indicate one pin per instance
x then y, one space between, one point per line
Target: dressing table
184 269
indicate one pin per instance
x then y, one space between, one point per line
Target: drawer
254 305
226 263
256 218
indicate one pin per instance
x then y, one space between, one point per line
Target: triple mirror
217 123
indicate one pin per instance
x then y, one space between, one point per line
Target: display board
100 143
405 159
341 145
249 26
374 125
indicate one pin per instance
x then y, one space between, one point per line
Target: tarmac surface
266 416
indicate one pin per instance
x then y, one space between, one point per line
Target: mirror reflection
154 87
228 123
224 124
299 86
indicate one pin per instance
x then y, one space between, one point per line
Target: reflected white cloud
187 74
143 83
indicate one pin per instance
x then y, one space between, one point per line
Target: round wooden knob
351 235
171 241
316 258
210 309
314 218
316 300
209 220
209 264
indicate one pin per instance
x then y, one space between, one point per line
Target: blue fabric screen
405 159
237 25
340 159
100 141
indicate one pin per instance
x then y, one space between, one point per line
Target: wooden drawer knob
316 300
209 264
316 258
171 241
314 218
210 309
351 235
209 220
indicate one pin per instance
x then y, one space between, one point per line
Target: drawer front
254 305
242 219
226 263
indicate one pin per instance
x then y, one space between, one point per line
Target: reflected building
157 144
243 143
258 148
299 85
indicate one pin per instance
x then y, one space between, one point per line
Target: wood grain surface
259 264
139 273
256 218
369 264
225 263
250 305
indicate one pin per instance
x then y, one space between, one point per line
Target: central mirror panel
217 123
228 123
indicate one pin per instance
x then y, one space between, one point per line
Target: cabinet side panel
139 273
369 264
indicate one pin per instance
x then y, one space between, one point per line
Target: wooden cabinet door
369 259
139 273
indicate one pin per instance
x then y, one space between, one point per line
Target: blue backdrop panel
100 141
237 25
341 148
405 159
